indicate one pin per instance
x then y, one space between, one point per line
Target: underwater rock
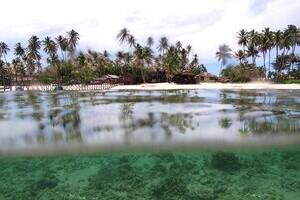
42 184
170 188
226 161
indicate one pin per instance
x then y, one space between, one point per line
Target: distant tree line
65 64
277 49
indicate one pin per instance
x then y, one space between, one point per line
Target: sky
204 24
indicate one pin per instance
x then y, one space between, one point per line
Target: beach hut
207 77
185 78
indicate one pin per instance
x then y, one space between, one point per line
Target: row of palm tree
262 44
61 52
254 43
141 58
169 57
27 60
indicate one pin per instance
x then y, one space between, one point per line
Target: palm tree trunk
264 57
269 60
293 49
221 69
143 75
121 67
22 80
62 54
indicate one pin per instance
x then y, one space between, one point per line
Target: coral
169 188
44 183
226 161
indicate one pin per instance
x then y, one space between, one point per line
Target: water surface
30 119
228 139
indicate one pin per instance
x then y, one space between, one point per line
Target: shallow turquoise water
218 144
260 174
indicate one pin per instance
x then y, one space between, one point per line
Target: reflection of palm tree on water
272 120
126 118
35 102
167 122
71 118
2 106
65 115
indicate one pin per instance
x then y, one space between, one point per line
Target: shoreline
166 86
232 86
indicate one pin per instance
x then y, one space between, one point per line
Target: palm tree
293 32
15 67
243 38
264 46
195 61
148 56
183 58
3 50
123 36
189 50
131 41
105 54
163 44
240 55
73 38
142 57
34 45
127 57
298 37
268 42
171 61
277 41
223 54
150 41
120 56
50 47
253 52
178 45
63 45
290 41
30 65
19 51
286 42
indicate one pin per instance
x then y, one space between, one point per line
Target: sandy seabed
172 86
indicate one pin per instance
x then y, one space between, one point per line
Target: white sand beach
172 86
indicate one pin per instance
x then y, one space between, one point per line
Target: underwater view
178 144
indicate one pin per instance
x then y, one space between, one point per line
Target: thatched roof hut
185 78
207 77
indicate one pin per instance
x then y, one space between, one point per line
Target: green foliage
295 73
67 73
198 69
85 75
48 76
243 73
171 60
296 81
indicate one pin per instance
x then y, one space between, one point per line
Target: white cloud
203 24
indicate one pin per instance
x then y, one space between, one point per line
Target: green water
260 174
183 144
